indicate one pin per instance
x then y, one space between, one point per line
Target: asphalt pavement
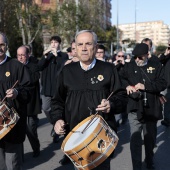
51 152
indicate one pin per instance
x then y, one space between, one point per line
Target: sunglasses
120 55
139 57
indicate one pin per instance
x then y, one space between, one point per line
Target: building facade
95 5
155 30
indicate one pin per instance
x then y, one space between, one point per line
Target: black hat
69 50
140 49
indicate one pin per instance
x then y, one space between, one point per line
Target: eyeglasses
120 55
21 55
140 57
101 52
2 45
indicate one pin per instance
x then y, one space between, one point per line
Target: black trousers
32 133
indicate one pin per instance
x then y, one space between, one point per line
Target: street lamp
135 21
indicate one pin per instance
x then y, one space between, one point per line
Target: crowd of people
69 87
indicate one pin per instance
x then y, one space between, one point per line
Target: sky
146 10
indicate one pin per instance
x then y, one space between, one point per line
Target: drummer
11 70
83 88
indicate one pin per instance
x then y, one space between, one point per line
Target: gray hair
89 31
4 37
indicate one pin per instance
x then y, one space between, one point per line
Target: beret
140 49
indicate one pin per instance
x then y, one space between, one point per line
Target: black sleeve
24 85
58 101
119 98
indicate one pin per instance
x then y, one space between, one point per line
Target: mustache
1 51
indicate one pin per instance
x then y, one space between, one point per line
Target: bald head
23 54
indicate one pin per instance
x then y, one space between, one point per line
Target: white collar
89 66
2 62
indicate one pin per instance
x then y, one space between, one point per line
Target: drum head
77 137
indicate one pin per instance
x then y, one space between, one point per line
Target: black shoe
117 124
36 153
150 166
65 160
124 121
165 123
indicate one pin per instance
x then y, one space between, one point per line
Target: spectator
51 64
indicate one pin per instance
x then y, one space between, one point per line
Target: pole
111 49
117 25
135 20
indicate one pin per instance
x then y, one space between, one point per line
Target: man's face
54 44
22 56
73 49
149 46
120 56
100 54
141 60
85 48
3 47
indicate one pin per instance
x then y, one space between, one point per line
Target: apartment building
155 30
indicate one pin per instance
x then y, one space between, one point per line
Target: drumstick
11 88
95 115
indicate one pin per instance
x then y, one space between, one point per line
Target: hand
130 89
139 86
59 127
54 51
47 51
104 106
11 93
167 51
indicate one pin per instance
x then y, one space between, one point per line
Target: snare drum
8 119
89 149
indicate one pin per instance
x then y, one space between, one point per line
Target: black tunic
10 72
77 90
34 105
153 74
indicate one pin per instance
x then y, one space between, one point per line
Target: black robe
34 105
77 90
10 72
153 74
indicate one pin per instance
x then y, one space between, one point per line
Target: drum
89 149
8 119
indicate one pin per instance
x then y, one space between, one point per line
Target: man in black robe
83 88
34 105
144 80
11 145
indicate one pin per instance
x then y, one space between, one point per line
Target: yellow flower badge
7 74
100 78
